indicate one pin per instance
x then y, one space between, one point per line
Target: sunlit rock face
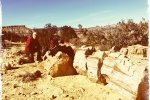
80 60
136 50
59 65
123 70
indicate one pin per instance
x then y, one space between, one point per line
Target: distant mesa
18 29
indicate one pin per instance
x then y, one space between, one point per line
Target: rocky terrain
102 75
122 71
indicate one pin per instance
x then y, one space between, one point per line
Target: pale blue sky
89 13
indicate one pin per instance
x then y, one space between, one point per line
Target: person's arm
28 44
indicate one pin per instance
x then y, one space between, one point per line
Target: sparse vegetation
123 34
67 33
117 69
13 37
45 33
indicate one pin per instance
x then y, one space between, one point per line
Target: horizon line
32 27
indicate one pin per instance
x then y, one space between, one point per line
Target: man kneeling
32 47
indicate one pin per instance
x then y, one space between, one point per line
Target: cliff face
17 29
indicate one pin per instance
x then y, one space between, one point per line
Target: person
53 42
52 46
32 46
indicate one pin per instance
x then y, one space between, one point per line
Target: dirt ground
75 87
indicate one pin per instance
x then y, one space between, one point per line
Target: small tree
66 33
48 25
80 26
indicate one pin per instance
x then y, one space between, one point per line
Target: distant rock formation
16 29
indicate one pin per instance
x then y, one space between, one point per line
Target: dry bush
121 35
124 33
13 37
67 33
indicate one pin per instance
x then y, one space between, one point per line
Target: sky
88 13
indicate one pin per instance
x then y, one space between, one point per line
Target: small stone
5 96
15 86
67 95
72 98
34 93
19 93
107 92
54 97
7 84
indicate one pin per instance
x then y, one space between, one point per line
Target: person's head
34 35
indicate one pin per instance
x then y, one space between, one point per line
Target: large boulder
80 60
138 50
94 64
87 60
124 74
121 71
99 54
92 67
59 65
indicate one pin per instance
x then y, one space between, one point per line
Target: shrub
121 35
67 33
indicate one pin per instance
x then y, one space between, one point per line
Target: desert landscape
98 63
93 74
74 50
45 87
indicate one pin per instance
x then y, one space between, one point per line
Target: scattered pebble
34 93
54 97
15 86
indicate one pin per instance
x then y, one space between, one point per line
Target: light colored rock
80 60
126 85
138 50
99 54
124 51
92 66
114 55
125 65
49 62
125 71
92 62
106 70
121 90
84 47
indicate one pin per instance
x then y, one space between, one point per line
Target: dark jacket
32 45
53 42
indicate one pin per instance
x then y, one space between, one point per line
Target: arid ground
19 82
